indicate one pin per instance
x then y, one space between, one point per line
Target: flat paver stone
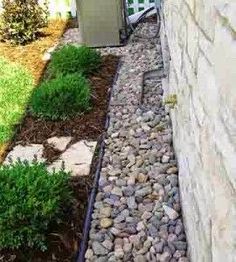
77 159
25 153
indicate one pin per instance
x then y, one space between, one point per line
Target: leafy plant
74 59
22 20
61 97
171 100
16 85
31 200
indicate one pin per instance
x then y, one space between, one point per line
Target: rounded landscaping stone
105 212
183 259
99 249
106 222
137 215
107 244
171 213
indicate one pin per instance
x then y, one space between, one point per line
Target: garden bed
29 57
63 243
86 126
52 124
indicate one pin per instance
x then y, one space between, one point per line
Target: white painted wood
62 7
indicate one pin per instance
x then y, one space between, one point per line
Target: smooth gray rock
99 249
140 258
143 192
171 213
180 245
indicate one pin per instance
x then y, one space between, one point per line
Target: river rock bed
137 213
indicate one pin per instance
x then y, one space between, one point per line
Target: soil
65 240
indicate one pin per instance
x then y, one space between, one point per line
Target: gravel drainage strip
137 212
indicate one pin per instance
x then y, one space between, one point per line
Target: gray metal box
100 22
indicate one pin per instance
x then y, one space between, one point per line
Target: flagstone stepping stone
59 143
25 153
77 159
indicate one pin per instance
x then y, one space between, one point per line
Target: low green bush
62 97
74 59
21 20
31 201
16 85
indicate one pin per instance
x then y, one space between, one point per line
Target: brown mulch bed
64 243
87 126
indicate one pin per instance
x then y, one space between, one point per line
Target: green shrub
62 97
16 85
31 201
74 59
22 20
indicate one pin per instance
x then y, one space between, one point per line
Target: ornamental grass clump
31 201
21 20
61 98
74 59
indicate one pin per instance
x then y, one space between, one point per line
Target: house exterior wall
201 41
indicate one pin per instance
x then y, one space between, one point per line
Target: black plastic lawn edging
87 224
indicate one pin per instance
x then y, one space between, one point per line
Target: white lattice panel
135 6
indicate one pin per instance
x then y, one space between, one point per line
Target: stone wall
201 40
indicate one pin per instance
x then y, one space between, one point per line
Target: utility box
100 22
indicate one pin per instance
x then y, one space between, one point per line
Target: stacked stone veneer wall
201 41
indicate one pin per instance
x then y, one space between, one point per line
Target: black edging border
87 222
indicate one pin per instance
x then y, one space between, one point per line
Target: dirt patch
65 240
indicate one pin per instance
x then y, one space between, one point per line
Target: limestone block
25 153
77 159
